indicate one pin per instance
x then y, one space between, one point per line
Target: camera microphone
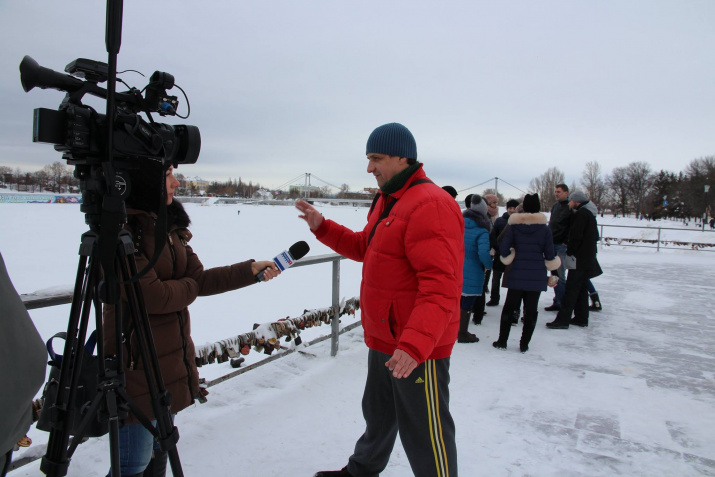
286 258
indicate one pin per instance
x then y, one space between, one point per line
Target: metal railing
658 242
43 300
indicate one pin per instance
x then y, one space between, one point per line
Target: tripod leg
55 462
157 465
168 434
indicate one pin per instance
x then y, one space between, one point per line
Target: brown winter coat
168 289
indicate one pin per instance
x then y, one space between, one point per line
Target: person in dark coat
528 247
174 282
559 223
581 262
498 267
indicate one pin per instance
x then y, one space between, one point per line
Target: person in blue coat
477 260
528 249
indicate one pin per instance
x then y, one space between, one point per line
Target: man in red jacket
412 250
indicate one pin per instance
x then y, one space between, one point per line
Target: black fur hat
532 204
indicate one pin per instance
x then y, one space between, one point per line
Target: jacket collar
418 173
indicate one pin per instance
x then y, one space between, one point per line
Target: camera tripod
106 268
111 403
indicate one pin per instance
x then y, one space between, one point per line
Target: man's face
510 210
573 204
560 194
385 167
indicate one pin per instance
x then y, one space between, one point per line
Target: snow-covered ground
633 394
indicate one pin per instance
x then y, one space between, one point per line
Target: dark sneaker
466 338
554 325
553 308
524 348
499 345
582 324
596 306
334 473
493 303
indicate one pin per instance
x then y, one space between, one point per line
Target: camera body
80 133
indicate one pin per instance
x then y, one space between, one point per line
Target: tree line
637 189
58 178
55 177
631 189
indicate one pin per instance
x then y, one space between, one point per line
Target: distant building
195 183
263 194
362 194
305 190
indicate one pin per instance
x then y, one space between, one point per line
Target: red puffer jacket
412 269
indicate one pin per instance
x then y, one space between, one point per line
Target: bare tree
41 178
704 167
5 174
344 190
56 172
640 182
617 182
545 184
592 182
17 178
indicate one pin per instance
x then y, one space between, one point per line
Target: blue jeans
560 288
136 446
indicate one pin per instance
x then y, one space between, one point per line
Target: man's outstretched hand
310 214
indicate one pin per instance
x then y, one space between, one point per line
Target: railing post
657 249
336 309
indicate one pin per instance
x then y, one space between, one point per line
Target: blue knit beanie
392 139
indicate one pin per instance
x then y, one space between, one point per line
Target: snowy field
631 395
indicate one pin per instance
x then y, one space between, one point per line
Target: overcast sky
489 89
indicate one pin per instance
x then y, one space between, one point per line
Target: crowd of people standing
525 253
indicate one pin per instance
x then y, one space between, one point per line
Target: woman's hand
310 214
268 267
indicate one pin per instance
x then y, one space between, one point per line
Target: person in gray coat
22 368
